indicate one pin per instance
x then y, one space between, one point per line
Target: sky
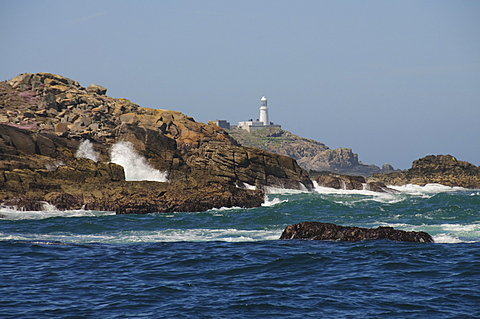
392 80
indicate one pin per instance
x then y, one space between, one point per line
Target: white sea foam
168 235
85 150
248 186
366 195
443 233
135 166
226 208
428 189
273 202
284 191
447 239
10 213
330 190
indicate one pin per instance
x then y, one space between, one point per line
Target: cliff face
441 169
310 155
44 117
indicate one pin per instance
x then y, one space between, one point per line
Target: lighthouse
261 123
264 111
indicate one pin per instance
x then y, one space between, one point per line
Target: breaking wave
85 150
135 166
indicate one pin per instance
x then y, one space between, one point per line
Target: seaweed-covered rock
328 231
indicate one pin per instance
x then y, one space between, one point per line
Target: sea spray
85 150
135 166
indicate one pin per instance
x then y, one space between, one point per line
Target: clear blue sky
393 80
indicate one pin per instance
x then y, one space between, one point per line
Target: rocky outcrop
32 174
441 169
328 231
30 190
50 103
44 117
310 155
350 182
233 164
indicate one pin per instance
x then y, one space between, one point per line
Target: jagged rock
228 162
441 169
97 89
328 231
249 165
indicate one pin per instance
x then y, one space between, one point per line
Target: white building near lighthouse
262 122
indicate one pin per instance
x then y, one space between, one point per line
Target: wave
272 202
444 233
284 191
205 235
428 189
328 190
167 235
14 214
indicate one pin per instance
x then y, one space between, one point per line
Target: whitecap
447 239
426 191
330 190
272 202
368 195
225 208
284 191
10 213
167 235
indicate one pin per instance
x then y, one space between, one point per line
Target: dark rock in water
440 169
349 182
328 231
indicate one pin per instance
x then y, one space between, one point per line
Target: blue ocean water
229 263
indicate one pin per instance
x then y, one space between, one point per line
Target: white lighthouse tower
264 111
262 122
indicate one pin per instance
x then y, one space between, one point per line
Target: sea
230 263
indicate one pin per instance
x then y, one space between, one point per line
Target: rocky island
44 118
